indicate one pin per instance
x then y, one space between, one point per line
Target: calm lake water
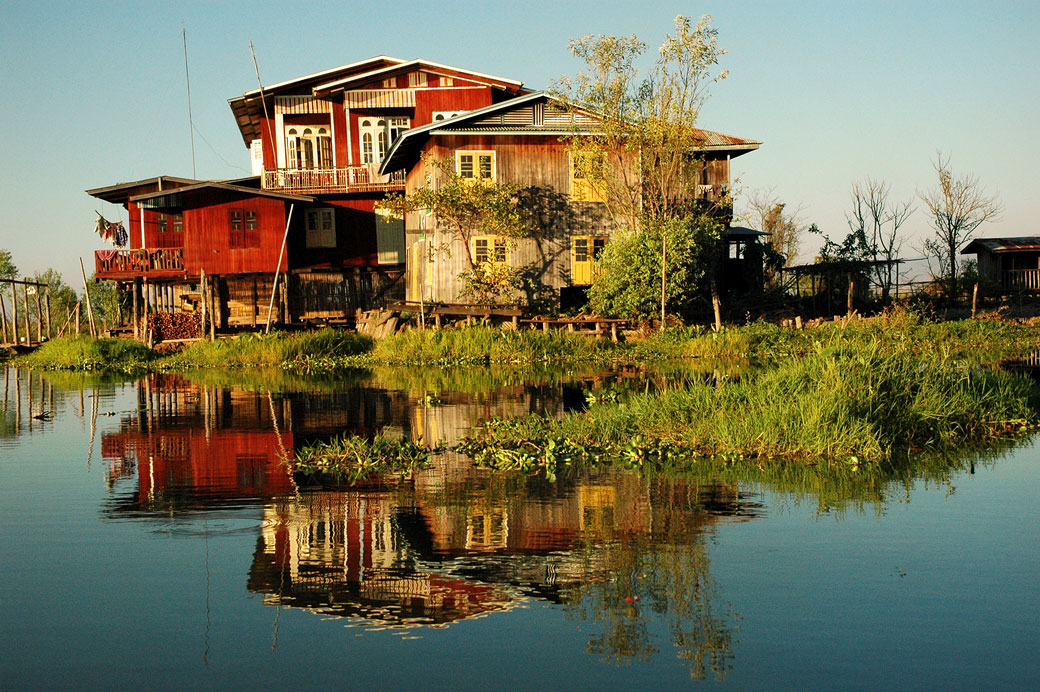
152 539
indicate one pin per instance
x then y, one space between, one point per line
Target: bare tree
877 220
958 206
782 223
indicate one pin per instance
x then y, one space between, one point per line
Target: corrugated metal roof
1019 244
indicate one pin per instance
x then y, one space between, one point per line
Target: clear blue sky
94 93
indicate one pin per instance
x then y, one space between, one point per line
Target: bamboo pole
136 308
204 301
86 293
278 269
47 300
213 315
78 316
974 301
14 315
25 314
39 316
3 318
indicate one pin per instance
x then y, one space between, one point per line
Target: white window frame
444 115
320 224
308 146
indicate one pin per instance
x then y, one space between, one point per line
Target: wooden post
3 319
613 331
204 290
253 312
136 308
39 315
47 300
28 329
848 305
78 305
86 294
213 315
14 315
974 300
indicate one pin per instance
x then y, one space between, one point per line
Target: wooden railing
1021 280
143 262
346 179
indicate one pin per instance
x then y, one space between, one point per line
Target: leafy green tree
644 148
63 298
7 268
629 283
465 208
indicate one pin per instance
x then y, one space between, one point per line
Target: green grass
324 349
485 345
87 353
846 406
351 459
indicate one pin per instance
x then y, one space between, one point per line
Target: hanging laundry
111 232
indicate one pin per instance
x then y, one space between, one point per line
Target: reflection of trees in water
661 576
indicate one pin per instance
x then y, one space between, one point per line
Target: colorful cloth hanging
111 232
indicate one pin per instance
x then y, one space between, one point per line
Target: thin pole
14 315
47 300
263 101
3 317
278 269
86 292
187 82
28 329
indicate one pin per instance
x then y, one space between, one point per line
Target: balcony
147 262
1021 280
306 181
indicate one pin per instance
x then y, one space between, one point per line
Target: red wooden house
317 144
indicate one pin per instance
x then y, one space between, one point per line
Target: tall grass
850 405
481 345
321 349
87 353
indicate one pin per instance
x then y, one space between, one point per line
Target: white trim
374 74
350 139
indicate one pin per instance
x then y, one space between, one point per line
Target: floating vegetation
350 459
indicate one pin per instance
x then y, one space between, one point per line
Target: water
152 539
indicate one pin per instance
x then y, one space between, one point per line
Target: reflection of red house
222 464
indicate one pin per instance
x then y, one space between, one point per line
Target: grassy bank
484 345
89 354
847 406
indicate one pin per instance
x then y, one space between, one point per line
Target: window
444 115
587 177
585 250
308 147
243 229
169 230
490 249
374 136
447 81
417 79
321 227
475 165
390 83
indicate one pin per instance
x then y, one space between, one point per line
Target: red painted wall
355 237
207 235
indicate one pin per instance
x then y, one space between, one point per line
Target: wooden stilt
14 315
47 300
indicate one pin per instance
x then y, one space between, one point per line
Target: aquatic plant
484 345
318 350
352 458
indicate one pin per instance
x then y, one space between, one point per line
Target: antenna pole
263 101
187 81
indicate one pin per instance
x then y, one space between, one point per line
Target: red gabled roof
248 108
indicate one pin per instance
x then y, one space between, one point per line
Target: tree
875 222
467 207
7 268
770 215
629 285
644 146
958 206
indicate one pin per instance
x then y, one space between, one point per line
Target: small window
321 227
417 79
177 223
243 229
490 249
475 165
447 81
161 223
585 250
390 83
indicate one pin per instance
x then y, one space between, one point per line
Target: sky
95 94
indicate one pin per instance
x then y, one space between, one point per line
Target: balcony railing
1021 280
143 262
346 179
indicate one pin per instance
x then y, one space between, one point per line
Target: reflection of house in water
416 558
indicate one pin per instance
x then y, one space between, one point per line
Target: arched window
308 147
